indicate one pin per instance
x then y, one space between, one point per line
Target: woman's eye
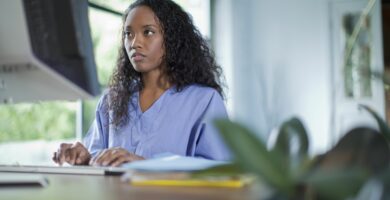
128 34
148 32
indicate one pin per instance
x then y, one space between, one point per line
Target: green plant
357 165
361 156
384 128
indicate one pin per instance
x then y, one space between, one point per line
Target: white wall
278 57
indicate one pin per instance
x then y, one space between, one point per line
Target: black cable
99 7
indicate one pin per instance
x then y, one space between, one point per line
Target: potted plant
362 155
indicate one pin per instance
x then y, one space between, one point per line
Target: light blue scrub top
178 123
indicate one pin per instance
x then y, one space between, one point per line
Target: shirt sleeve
209 144
96 137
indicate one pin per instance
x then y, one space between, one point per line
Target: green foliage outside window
51 120
57 119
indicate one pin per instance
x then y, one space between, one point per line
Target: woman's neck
155 81
154 85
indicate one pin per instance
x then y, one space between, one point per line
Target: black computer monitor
46 51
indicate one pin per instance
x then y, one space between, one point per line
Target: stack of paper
174 170
183 179
168 162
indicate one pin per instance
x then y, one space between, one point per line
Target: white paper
170 162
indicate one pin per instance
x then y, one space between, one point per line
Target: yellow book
184 179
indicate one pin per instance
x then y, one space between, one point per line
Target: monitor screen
46 51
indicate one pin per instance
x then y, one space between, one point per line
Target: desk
69 187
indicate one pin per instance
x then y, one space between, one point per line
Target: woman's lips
137 57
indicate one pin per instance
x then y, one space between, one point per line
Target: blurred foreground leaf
373 189
386 179
252 155
336 184
292 142
384 129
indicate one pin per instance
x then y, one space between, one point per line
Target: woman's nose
135 43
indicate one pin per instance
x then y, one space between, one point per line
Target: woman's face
143 40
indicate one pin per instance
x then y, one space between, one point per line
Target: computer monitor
46 51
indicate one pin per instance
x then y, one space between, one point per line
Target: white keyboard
87 170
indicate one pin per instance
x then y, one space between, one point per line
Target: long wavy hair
188 58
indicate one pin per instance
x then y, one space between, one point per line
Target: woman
162 97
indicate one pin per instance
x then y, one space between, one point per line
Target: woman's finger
120 160
82 158
126 157
62 153
111 156
71 156
115 155
81 155
54 158
99 158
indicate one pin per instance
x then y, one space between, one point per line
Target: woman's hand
114 157
74 154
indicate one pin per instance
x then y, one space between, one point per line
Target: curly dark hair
188 58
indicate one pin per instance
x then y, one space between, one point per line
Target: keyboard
81 170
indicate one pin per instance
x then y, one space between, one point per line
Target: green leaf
385 177
336 184
293 143
384 129
252 155
292 139
374 187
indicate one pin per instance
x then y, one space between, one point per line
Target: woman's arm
96 141
210 145
96 138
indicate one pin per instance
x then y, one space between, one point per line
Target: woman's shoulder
202 99
199 92
199 89
103 100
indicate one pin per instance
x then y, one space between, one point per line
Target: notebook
184 179
87 170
